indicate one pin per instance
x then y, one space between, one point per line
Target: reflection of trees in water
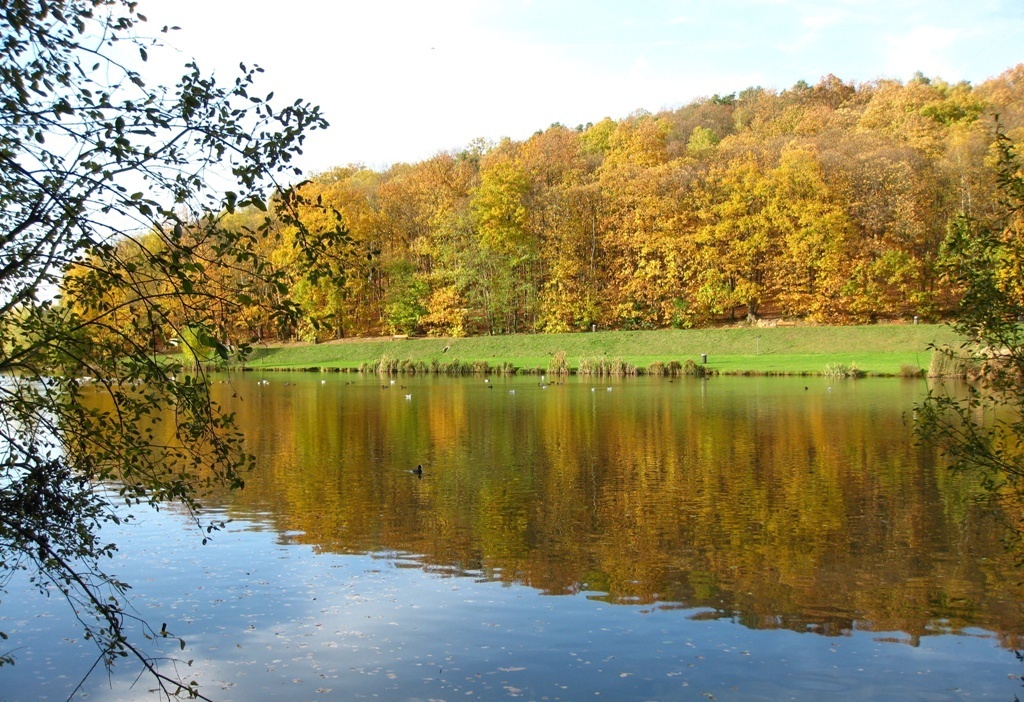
763 502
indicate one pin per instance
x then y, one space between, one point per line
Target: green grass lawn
875 349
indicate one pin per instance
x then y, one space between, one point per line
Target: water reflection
782 504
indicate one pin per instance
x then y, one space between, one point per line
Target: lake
634 539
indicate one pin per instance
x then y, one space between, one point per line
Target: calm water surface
730 539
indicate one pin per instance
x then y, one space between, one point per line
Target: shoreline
874 351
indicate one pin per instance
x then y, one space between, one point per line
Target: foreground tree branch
104 200
983 432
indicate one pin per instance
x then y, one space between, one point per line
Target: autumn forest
827 203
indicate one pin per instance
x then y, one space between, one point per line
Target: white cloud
825 18
922 49
402 79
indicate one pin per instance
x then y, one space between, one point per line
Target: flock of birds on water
418 470
543 385
408 396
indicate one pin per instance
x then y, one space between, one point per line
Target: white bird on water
408 397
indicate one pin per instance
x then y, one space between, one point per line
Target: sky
401 80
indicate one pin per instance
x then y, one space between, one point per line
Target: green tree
985 259
736 237
104 196
503 252
572 292
403 304
427 207
808 269
702 141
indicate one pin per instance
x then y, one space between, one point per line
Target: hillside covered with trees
826 202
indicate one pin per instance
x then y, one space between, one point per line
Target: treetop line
828 202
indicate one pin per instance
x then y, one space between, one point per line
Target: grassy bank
874 350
